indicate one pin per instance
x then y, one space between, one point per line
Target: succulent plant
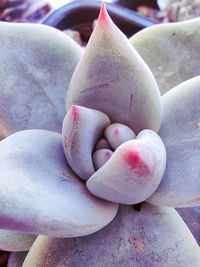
121 143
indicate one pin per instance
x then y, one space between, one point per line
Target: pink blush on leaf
134 160
74 110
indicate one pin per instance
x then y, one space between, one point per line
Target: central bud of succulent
114 135
117 165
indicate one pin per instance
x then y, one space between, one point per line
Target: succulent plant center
113 136
117 134
111 158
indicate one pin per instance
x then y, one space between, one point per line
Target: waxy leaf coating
39 192
113 78
171 50
180 132
117 133
15 241
133 172
100 157
153 236
36 65
82 127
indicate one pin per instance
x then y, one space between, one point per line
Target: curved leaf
133 172
36 65
191 217
15 241
101 156
81 129
113 78
180 132
117 133
151 237
171 50
40 194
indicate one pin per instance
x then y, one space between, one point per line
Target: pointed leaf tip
103 15
109 64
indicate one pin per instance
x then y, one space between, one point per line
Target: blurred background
78 17
159 10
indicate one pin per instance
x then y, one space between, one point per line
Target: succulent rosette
121 143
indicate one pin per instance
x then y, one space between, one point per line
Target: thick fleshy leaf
82 127
40 194
133 172
191 217
117 133
36 66
16 259
15 241
152 236
102 143
101 156
113 78
180 132
171 50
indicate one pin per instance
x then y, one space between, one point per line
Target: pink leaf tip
104 18
116 132
74 110
107 154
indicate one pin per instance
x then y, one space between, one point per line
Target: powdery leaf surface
15 241
180 132
133 172
110 78
171 50
36 65
151 237
40 194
